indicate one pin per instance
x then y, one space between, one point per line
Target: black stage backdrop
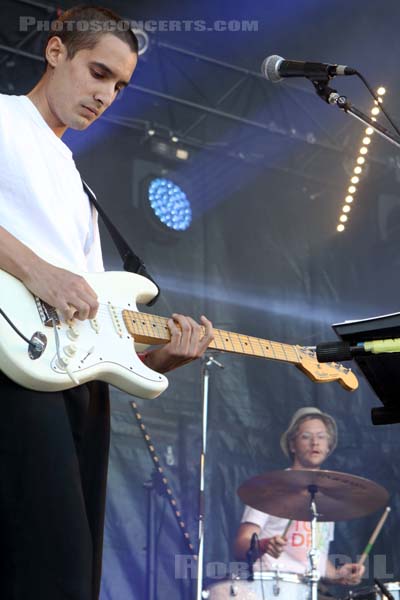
263 262
262 257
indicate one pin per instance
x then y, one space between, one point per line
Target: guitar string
148 324
229 340
267 348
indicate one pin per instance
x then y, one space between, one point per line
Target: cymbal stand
312 554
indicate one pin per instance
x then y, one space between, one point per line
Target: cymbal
339 496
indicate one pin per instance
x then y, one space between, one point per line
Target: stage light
182 154
174 139
169 150
360 160
169 203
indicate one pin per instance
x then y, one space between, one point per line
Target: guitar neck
152 329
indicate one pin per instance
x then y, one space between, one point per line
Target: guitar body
101 349
105 348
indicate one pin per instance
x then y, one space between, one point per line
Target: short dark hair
81 27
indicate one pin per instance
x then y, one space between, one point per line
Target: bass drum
269 585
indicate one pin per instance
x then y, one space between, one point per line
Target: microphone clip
325 92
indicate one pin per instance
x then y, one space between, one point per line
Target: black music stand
382 371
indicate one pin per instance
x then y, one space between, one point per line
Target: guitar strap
130 260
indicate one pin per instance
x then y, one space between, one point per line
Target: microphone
275 68
253 542
251 555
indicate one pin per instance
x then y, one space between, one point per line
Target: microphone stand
332 97
208 362
151 584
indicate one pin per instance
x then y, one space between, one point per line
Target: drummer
310 438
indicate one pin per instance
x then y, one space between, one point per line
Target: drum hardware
312 554
383 588
362 594
234 589
295 494
276 589
379 591
290 585
285 494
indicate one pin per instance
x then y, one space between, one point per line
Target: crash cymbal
339 496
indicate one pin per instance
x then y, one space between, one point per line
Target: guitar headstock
325 372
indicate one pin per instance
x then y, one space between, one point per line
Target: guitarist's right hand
69 293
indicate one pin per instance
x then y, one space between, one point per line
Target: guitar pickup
47 313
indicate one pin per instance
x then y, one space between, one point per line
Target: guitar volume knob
62 362
72 333
70 350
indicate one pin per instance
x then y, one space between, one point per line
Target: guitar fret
248 345
279 350
156 328
153 329
241 344
219 333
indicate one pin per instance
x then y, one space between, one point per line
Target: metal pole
312 554
150 549
208 361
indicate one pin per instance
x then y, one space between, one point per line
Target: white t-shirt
42 202
294 557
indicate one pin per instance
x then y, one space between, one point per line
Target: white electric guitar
69 353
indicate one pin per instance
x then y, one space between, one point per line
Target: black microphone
251 555
275 68
337 351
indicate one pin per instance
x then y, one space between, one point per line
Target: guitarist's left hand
189 340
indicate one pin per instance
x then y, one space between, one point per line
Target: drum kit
306 495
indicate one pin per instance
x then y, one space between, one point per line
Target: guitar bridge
47 313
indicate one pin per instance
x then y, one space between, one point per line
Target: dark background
262 256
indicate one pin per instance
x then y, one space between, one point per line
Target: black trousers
53 470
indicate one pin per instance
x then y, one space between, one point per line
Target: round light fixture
169 203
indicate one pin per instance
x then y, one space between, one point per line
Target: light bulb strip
359 166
